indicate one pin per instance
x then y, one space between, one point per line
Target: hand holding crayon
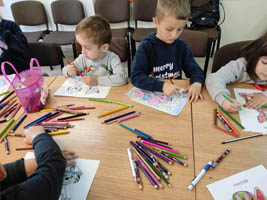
72 71
231 105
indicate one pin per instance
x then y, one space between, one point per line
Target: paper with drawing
74 87
254 120
168 104
253 180
77 179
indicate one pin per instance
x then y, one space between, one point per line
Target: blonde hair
180 9
95 27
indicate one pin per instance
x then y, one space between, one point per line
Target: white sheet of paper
74 87
4 84
253 120
168 104
78 179
244 181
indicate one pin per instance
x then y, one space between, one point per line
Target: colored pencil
4 131
111 101
23 148
67 111
58 132
74 116
225 131
122 119
155 141
18 123
231 117
159 146
15 112
113 111
122 125
225 123
70 120
147 175
142 133
258 87
169 152
117 117
243 138
40 119
227 98
3 93
9 94
69 63
228 123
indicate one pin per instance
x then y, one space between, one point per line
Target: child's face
91 50
261 68
169 28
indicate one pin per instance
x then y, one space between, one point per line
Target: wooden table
207 146
109 143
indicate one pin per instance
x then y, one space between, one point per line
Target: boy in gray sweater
97 65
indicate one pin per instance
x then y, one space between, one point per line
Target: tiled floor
69 56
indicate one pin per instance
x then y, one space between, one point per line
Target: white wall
245 19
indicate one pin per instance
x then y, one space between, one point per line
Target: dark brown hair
252 53
95 27
180 9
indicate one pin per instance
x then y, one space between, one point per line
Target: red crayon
258 87
69 63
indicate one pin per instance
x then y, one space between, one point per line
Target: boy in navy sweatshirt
163 55
13 44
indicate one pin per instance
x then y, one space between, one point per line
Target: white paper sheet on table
4 84
168 104
253 180
253 120
74 87
77 179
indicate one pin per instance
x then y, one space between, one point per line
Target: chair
120 43
227 53
30 13
65 12
214 33
200 45
48 54
140 16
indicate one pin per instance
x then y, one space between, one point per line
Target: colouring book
252 181
168 104
254 120
77 179
4 84
74 87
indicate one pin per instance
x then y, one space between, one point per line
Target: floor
67 50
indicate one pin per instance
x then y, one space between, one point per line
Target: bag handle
4 71
31 66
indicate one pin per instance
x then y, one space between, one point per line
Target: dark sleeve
13 45
142 68
190 67
46 182
15 174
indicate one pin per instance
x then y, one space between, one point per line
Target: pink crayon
136 114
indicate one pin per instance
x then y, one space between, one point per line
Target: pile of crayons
146 150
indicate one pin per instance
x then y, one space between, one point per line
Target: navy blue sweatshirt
163 61
12 46
45 183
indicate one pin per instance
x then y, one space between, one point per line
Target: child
98 65
250 67
13 43
39 178
164 55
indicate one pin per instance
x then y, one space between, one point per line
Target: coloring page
168 104
254 120
74 87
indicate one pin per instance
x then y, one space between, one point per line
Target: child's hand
256 100
90 80
32 132
231 107
71 70
170 89
2 172
70 156
194 92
